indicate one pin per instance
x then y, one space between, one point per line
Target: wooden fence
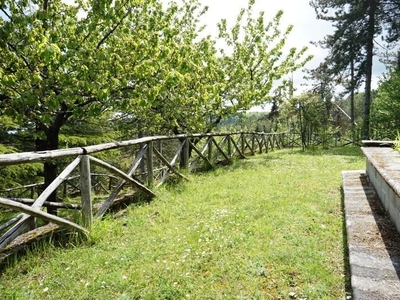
153 160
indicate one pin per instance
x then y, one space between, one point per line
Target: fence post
243 144
229 145
150 176
110 183
64 188
260 145
273 141
210 149
264 144
86 186
142 164
185 155
253 150
32 192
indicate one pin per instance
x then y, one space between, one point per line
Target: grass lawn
268 227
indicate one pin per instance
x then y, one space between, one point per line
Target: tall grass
268 227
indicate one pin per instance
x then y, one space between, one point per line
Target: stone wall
383 169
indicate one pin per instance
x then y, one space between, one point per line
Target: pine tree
357 23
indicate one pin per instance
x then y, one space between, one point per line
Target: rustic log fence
155 159
308 139
101 183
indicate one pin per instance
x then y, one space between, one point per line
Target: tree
307 114
344 65
386 106
357 24
207 87
253 60
391 19
184 74
59 66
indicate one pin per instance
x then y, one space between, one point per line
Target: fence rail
153 160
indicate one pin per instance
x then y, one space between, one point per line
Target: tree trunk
50 174
352 109
398 61
49 168
368 77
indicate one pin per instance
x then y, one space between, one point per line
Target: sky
298 13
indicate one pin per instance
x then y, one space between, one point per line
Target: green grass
261 228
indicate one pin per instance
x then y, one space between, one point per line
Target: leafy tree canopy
357 24
385 109
64 63
254 59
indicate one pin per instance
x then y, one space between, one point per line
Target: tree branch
20 55
112 30
7 15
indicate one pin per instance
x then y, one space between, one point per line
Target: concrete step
372 239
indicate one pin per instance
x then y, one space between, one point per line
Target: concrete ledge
373 241
383 169
375 143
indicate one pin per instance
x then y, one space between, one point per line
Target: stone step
372 239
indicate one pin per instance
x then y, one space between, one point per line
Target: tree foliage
66 62
58 66
357 24
386 107
307 115
254 59
184 78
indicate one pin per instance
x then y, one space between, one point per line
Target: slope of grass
269 227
